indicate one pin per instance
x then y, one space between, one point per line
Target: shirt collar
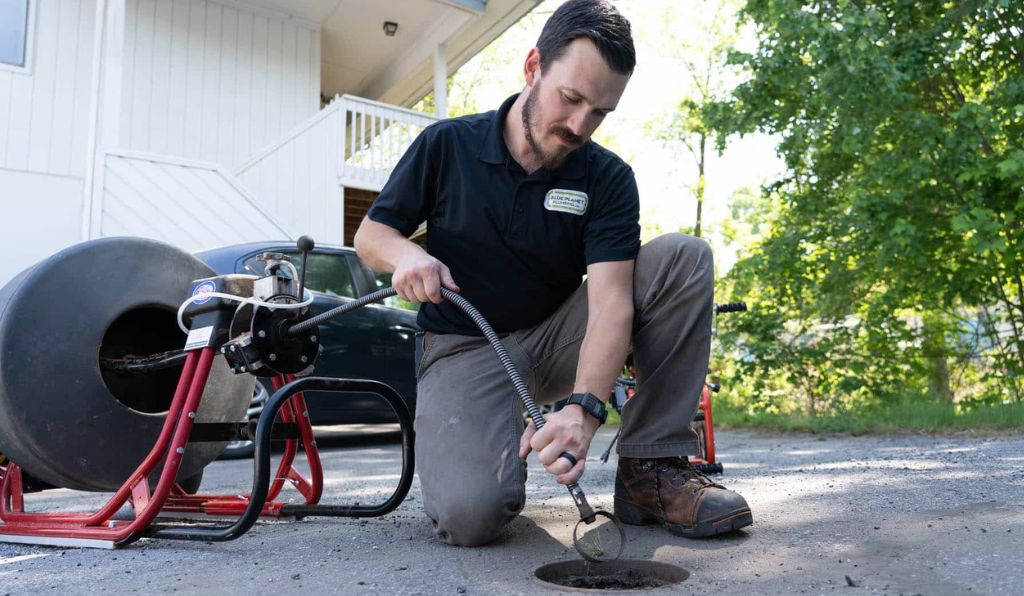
494 150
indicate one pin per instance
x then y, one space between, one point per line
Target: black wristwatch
591 405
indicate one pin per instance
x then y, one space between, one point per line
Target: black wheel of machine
191 484
702 446
62 418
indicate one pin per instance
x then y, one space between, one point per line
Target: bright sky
666 175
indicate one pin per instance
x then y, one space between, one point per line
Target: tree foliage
892 261
704 56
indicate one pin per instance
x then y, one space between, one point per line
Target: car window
325 272
384 281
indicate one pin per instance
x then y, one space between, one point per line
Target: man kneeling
520 204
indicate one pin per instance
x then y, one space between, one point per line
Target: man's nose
578 123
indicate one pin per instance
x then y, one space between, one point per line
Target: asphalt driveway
910 515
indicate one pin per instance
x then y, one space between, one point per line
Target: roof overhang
359 58
464 43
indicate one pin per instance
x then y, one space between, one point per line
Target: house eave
463 45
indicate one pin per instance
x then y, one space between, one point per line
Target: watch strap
590 404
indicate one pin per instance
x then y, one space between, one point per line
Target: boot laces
682 468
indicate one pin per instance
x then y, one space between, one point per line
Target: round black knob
305 243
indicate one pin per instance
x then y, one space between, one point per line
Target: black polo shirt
517 245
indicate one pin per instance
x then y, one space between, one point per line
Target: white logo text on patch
566 201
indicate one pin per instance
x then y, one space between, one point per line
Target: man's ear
531 68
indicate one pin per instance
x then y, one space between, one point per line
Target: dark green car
374 342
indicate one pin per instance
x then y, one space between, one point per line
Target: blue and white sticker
198 338
207 287
566 201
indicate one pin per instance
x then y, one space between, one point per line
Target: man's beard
548 160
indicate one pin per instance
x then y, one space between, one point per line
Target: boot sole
635 515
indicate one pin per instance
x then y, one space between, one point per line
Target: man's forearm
416 276
604 348
382 247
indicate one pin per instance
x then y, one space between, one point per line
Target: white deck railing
375 137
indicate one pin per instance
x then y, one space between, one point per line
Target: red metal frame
99 529
707 433
705 430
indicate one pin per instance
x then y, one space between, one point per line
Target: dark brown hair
598 21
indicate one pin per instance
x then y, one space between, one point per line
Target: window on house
13 31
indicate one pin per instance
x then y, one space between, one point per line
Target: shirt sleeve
613 233
408 197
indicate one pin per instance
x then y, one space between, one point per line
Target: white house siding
41 214
191 205
296 180
44 113
44 127
215 81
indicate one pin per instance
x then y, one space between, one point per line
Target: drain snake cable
587 514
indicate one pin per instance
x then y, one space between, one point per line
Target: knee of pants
678 259
473 520
689 248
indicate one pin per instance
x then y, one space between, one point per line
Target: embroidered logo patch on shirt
566 201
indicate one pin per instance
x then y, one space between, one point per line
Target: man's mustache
567 135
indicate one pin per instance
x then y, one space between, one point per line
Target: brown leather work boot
671 492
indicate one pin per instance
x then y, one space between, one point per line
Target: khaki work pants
469 418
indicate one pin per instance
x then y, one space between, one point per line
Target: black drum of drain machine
62 418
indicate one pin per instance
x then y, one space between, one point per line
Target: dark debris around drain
626 579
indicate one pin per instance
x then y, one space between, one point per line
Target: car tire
239 450
246 449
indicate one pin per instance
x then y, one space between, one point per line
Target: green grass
904 417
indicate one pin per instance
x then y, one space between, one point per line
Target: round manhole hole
612 575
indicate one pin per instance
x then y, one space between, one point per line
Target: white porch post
440 81
105 106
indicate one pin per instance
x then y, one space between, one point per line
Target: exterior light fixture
390 28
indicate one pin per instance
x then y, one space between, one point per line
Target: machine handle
306 245
731 307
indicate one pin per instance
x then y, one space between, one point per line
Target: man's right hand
419 277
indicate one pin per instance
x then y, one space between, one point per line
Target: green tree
703 52
897 244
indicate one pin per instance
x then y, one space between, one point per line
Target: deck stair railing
375 136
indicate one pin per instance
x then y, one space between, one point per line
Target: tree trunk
936 352
700 185
938 379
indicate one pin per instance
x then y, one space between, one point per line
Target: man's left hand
567 430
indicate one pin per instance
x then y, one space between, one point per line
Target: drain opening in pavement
612 575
